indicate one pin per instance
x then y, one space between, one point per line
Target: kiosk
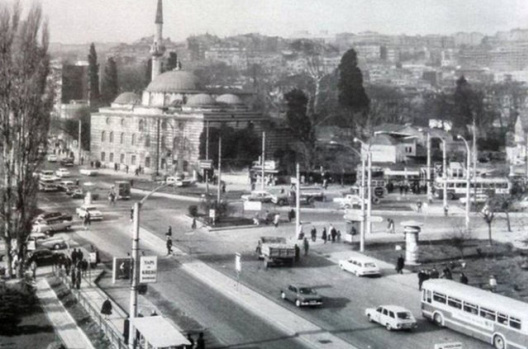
411 230
156 332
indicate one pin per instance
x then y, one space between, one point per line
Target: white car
39 239
183 182
88 172
479 199
95 214
521 204
360 266
42 226
47 175
52 158
258 195
393 317
62 172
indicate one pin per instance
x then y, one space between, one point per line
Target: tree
109 86
300 125
26 101
458 238
488 215
148 72
172 61
352 95
93 77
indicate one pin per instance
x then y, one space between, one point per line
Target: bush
193 210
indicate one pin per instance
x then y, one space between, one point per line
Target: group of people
426 274
75 266
332 234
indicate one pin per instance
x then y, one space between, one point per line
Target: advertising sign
148 269
212 213
206 164
121 268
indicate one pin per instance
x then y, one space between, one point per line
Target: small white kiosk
156 332
411 230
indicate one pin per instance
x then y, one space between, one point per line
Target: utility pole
158 147
362 223
206 174
297 200
369 188
79 143
445 171
219 167
135 267
475 156
429 191
263 156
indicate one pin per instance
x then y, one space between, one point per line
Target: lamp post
444 171
362 191
263 157
369 181
429 191
135 265
468 182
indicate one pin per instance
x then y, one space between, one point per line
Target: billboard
148 269
122 268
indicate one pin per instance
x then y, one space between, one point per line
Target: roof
201 99
159 332
383 139
175 81
488 299
127 98
229 98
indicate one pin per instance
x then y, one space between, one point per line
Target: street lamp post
135 265
444 171
468 181
429 191
366 147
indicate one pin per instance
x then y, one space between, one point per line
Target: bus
122 190
490 317
456 187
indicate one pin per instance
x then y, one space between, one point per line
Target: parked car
54 216
50 227
52 158
179 182
48 185
68 162
75 192
95 214
65 185
42 240
258 195
42 256
360 266
47 175
317 193
88 172
301 295
478 199
62 172
393 317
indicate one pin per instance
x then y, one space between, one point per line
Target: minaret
157 49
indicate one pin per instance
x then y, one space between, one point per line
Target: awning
159 332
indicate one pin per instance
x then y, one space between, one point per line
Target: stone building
164 129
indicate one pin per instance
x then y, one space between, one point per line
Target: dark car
42 256
301 295
51 217
68 162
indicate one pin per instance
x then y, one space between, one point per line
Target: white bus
456 187
490 317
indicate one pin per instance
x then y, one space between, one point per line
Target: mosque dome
175 81
200 100
229 98
127 98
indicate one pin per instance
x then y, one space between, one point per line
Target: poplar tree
110 85
93 76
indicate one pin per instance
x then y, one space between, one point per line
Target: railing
113 334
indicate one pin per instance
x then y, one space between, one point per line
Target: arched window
133 141
111 137
122 138
103 136
141 125
147 141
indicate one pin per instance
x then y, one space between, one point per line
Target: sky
83 21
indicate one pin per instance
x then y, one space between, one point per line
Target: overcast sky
82 21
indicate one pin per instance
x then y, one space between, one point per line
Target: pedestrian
115 167
126 169
333 233
80 255
169 245
191 341
67 265
297 252
306 246
87 220
77 182
434 274
446 273
153 313
446 210
106 309
421 278
84 266
74 256
493 283
223 187
338 236
193 225
291 215
33 267
313 233
463 279
419 207
122 270
169 231
324 236
126 329
78 278
200 343
73 278
390 225
400 264
401 189
276 219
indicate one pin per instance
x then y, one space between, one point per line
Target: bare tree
488 215
25 106
458 237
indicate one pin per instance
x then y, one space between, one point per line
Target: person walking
333 233
86 220
419 207
78 278
200 342
463 279
421 278
446 273
400 264
390 225
291 215
193 225
73 278
297 253
106 308
169 245
324 236
313 233
33 267
169 231
493 283
306 246
276 220
191 341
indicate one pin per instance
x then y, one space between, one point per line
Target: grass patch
79 314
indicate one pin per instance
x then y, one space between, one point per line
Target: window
455 303
470 308
111 157
515 323
488 314
133 160
391 314
379 310
147 161
103 155
103 136
122 158
111 137
502 319
141 125
133 141
147 141
122 138
438 297
385 312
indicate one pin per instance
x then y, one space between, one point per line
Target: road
346 296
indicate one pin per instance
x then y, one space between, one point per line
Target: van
360 266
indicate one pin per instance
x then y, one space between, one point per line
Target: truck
274 250
122 190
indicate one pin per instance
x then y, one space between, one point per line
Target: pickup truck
275 251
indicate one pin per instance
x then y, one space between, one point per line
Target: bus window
438 297
455 303
470 308
461 185
502 319
488 314
515 323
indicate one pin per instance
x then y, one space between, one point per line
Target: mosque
162 130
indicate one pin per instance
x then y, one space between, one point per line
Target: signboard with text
148 269
206 164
